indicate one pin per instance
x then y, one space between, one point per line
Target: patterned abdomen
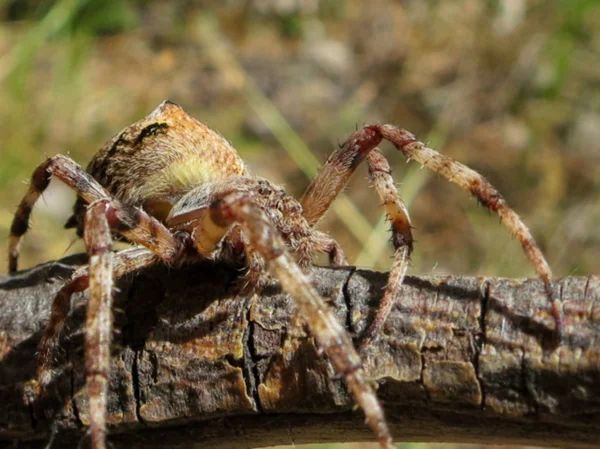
155 161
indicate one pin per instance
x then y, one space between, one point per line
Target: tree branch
460 359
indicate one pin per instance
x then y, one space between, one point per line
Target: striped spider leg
103 214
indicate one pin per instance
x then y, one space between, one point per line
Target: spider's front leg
98 276
133 223
227 208
66 170
99 322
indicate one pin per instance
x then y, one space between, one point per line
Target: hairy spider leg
327 244
69 172
61 305
124 261
230 207
380 174
99 319
133 223
335 174
98 276
332 178
341 164
485 193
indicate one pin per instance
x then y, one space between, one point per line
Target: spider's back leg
402 239
98 277
124 261
133 223
485 193
342 163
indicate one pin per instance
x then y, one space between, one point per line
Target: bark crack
587 285
529 385
135 378
585 296
422 375
129 329
347 298
481 339
72 391
251 359
423 349
31 409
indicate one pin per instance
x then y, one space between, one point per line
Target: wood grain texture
460 359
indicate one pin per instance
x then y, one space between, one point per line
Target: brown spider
179 190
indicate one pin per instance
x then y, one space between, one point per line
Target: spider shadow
50 272
26 407
146 302
179 305
529 325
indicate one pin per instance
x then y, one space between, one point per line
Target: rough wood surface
460 359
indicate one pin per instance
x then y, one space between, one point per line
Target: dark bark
460 359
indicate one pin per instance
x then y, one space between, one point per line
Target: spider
179 191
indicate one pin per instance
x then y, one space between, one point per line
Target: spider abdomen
155 161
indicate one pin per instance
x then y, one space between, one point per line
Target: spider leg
333 177
329 246
133 223
238 207
485 193
99 322
125 261
61 305
69 172
381 177
98 276
342 162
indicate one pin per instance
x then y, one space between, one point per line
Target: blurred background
509 87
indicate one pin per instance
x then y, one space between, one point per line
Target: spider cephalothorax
179 191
